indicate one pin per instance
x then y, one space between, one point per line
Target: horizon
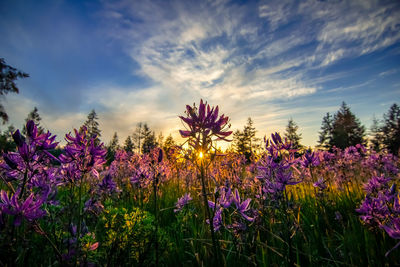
144 61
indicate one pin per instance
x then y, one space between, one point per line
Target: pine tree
6 141
160 140
391 129
245 142
346 129
168 144
149 139
92 126
35 117
114 142
138 137
376 135
128 147
8 76
325 135
111 148
292 135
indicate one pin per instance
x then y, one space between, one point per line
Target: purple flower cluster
182 202
204 121
31 182
83 154
275 168
224 201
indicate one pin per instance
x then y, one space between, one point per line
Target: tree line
342 129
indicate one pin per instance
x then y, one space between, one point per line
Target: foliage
323 208
92 126
292 135
8 76
391 129
245 142
35 117
149 139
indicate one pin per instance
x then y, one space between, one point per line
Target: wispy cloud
254 59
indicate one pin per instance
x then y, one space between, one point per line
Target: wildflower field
195 205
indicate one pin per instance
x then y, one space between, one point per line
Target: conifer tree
245 142
391 129
128 146
376 135
35 117
138 137
292 135
8 76
93 126
149 139
346 129
325 135
168 144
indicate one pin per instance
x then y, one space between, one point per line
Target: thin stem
207 210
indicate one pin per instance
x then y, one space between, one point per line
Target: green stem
209 217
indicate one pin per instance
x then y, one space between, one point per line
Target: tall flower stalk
204 127
83 156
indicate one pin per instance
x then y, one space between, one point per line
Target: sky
143 61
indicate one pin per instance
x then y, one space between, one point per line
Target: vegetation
192 205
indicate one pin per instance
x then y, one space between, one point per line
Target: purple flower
393 228
320 184
242 207
205 121
107 185
310 159
84 153
183 201
28 209
217 220
376 184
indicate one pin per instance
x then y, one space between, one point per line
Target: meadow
195 205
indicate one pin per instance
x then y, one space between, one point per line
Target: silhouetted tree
138 137
325 135
391 129
245 142
292 135
6 141
112 147
168 144
93 126
346 129
128 146
376 135
149 139
8 76
35 117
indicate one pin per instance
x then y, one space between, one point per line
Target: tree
325 134
292 135
346 129
112 147
245 142
35 117
168 144
160 139
6 141
92 126
128 147
138 136
376 135
8 76
149 139
391 129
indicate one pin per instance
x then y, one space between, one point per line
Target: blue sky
143 61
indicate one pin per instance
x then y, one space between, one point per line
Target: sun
201 155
